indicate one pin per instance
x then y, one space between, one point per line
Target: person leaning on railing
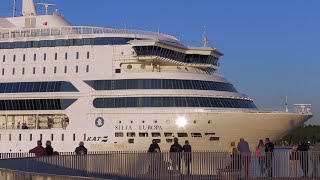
316 159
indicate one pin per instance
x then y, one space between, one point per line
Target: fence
195 165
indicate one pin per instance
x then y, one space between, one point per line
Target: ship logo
99 122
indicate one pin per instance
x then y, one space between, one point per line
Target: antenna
205 38
14 8
46 6
158 28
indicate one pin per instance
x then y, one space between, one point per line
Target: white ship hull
225 126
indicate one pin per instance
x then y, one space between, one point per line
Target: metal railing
72 30
195 165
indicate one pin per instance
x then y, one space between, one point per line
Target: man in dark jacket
187 155
81 149
175 154
269 156
49 149
39 150
154 146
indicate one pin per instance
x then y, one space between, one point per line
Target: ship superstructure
117 89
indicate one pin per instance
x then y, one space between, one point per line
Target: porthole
195 122
119 122
129 66
143 66
131 122
142 122
209 122
122 53
155 121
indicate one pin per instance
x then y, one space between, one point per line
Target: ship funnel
28 8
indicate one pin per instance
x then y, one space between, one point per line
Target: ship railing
281 164
72 30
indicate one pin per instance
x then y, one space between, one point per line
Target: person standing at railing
243 148
294 158
49 149
303 149
81 149
39 150
187 155
153 146
261 155
316 159
175 151
269 156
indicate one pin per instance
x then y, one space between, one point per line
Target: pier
142 165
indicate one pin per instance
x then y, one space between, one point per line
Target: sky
271 48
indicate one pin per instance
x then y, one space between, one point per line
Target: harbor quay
142 165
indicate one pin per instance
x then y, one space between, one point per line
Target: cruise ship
119 89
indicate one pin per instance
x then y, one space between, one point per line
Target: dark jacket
176 147
49 150
303 147
269 147
153 146
81 150
186 148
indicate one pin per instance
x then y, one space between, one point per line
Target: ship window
77 55
131 134
130 141
4 58
3 71
157 140
156 134
87 68
66 56
30 137
9 137
44 56
13 71
51 137
24 58
65 69
74 137
35 57
44 70
14 58
118 134
62 137
23 70
118 70
182 135
88 55
77 69
209 134
56 56
168 134
0 137
169 140
19 137
143 134
84 137
196 135
40 137
34 70
55 70
214 138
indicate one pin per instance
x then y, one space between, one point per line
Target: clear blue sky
272 48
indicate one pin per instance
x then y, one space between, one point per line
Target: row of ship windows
44 70
24 56
160 84
129 135
66 42
35 104
27 87
138 102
